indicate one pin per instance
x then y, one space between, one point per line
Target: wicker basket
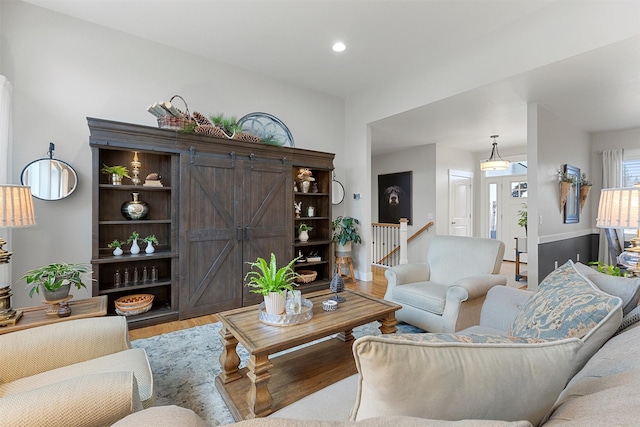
306 276
131 305
177 123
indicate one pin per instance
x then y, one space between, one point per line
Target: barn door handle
239 233
247 233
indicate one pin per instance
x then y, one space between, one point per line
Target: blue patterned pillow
463 338
566 305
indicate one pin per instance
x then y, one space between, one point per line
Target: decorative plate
265 125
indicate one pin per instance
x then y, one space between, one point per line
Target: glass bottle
126 276
136 276
145 275
116 278
154 274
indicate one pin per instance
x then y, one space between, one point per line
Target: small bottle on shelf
154 274
126 276
116 278
136 277
145 275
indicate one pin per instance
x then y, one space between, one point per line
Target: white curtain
611 178
5 160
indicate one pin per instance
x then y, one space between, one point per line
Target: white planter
303 236
343 249
135 249
118 251
150 249
274 303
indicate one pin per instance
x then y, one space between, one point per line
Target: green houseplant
271 282
522 217
55 279
303 232
345 232
116 245
117 173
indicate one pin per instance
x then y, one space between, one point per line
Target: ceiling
291 41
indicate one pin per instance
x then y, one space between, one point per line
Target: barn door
210 235
267 218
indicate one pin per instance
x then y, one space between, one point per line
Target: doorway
506 198
460 203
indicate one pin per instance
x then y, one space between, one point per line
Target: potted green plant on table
522 217
55 280
345 232
117 173
271 282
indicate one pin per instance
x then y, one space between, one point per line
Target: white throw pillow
456 377
627 288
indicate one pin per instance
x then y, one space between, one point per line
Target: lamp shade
619 208
495 165
16 206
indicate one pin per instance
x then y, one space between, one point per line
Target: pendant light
495 162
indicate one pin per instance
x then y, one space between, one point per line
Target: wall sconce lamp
494 162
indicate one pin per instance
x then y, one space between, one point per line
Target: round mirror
337 192
49 179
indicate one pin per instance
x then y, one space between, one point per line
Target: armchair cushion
452 377
134 360
88 401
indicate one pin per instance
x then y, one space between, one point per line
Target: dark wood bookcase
223 203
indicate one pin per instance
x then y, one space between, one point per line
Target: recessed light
339 47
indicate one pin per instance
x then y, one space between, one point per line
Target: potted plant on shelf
271 282
150 241
585 188
345 233
133 239
116 245
117 173
303 232
55 280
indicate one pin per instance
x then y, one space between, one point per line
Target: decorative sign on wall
394 197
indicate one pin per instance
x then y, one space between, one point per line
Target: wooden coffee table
298 373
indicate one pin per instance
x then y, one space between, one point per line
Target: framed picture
394 197
572 205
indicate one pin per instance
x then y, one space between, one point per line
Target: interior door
210 234
267 218
514 199
460 203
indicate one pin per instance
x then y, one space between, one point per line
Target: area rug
185 364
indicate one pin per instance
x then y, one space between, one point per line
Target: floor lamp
16 210
619 208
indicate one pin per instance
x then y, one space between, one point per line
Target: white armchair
445 294
77 373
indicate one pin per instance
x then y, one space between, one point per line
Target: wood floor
376 288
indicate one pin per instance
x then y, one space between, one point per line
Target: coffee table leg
346 335
229 359
258 397
388 324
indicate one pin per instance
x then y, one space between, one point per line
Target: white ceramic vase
274 303
303 236
135 249
118 251
150 249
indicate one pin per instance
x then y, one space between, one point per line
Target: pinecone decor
201 120
337 285
210 130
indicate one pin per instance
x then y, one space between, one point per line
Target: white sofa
445 293
76 373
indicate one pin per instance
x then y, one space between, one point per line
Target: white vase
274 303
135 249
118 251
150 249
303 236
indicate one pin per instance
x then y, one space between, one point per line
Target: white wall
421 161
64 70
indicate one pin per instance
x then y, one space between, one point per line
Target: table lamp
620 208
16 210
